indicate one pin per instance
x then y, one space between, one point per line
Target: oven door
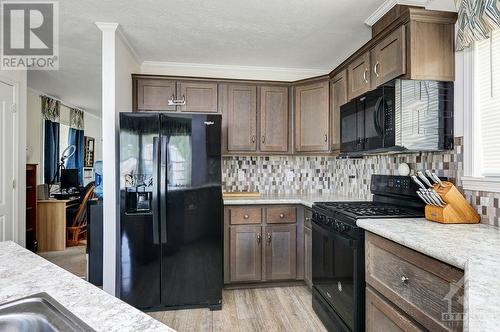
334 259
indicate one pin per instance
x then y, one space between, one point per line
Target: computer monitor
69 178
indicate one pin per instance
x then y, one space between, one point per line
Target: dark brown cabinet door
339 98
382 316
308 256
199 97
245 253
154 94
242 118
312 117
280 252
358 73
273 119
389 58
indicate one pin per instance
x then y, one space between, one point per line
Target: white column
110 152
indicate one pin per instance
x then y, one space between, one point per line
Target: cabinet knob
263 139
246 216
326 137
258 238
282 215
269 238
404 279
253 138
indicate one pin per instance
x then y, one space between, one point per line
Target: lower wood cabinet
426 290
265 251
246 253
281 252
381 315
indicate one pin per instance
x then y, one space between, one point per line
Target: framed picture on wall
89 151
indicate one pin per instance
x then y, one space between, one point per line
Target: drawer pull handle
246 216
404 279
258 238
282 215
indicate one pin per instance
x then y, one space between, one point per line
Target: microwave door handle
163 188
376 115
154 198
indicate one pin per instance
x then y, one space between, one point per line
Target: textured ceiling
315 34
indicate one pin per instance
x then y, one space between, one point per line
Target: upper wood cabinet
358 73
245 253
280 252
338 95
274 119
389 58
312 117
154 94
241 117
199 97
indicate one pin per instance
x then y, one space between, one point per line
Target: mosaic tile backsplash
325 174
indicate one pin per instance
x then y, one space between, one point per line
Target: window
482 126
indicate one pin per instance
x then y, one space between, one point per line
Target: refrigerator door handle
156 223
163 188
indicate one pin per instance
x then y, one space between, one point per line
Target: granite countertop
302 199
23 273
473 248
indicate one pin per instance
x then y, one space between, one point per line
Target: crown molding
229 71
127 43
387 5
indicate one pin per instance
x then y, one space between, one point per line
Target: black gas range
338 248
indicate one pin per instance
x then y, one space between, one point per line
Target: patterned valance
476 20
50 109
76 119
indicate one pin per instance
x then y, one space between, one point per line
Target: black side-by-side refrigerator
170 230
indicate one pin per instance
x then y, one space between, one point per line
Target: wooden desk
51 223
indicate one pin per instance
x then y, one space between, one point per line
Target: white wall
118 63
93 128
19 78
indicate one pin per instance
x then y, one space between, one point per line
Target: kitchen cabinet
388 58
262 243
383 316
280 252
421 287
358 76
245 253
312 117
338 96
160 94
154 94
242 117
198 97
274 119
308 247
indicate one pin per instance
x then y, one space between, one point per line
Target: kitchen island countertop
23 273
472 248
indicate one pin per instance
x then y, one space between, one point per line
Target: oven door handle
332 234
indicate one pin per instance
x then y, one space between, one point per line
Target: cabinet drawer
281 214
419 285
245 215
382 316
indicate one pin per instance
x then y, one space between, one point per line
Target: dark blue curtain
51 151
75 137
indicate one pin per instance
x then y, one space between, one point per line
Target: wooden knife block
457 209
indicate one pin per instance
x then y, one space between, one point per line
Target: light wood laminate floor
73 259
257 309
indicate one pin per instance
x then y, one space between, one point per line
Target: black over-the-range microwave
399 116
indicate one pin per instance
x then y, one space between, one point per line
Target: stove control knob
329 221
337 226
315 215
343 227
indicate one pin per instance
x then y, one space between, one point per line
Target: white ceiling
313 35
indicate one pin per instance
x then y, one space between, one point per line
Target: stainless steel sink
39 313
